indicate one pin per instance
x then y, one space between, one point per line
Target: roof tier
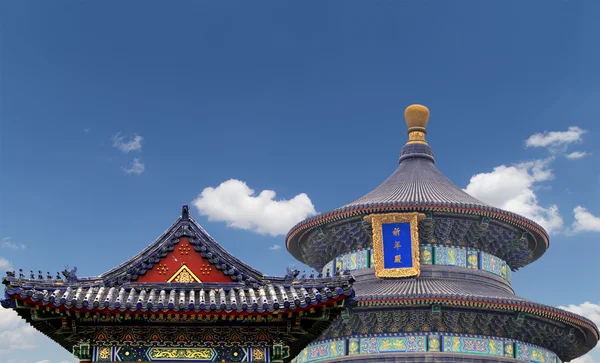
469 300
275 297
454 217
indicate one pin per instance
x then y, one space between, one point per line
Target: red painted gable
183 254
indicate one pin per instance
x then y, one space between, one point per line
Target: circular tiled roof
418 185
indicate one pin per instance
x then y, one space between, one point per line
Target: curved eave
589 329
184 311
199 299
343 213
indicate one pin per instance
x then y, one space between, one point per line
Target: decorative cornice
344 213
488 304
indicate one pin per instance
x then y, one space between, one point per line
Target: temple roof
418 185
185 270
451 286
275 297
417 181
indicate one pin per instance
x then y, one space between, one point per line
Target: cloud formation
576 155
512 188
8 243
584 359
592 312
275 247
14 333
5 264
556 141
136 167
134 144
584 221
236 204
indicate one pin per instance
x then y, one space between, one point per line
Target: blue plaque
396 244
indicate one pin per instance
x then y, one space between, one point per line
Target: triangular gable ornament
184 275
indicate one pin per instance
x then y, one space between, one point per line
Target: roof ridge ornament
416 117
185 212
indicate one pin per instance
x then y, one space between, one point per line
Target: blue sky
305 100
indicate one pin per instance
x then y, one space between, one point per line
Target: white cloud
275 247
576 155
87 131
44 361
512 188
136 167
584 359
584 221
592 312
8 243
556 141
135 144
587 309
235 203
15 334
5 264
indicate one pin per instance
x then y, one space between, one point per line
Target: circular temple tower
433 268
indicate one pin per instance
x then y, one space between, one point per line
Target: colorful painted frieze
450 256
469 345
196 354
171 354
362 259
302 357
492 264
258 354
104 354
132 354
426 255
434 343
392 344
459 344
343 262
326 350
534 354
353 346
509 349
473 259
429 255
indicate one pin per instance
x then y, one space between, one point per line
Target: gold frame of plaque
377 222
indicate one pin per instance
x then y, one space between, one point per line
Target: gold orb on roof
416 117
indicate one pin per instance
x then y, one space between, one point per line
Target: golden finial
416 117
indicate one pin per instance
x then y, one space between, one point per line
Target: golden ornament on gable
184 275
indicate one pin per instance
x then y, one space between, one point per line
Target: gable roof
137 285
202 243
